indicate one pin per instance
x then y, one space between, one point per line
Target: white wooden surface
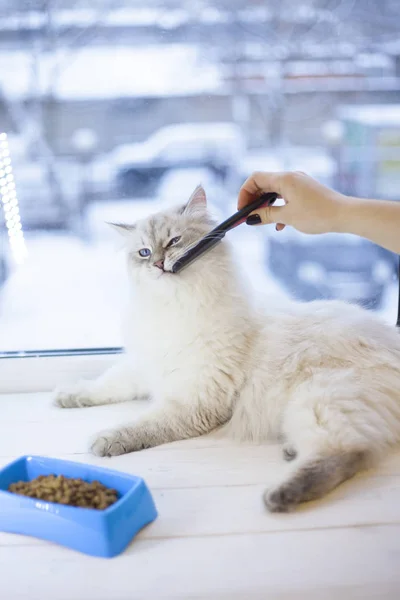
213 538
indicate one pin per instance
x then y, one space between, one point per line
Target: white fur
323 376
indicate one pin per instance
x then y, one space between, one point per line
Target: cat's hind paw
289 452
109 443
281 499
73 396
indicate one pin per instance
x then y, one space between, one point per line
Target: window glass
110 110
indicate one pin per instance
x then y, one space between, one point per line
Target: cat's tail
315 477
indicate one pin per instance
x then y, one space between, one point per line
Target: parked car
139 167
330 266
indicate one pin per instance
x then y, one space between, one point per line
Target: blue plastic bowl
97 532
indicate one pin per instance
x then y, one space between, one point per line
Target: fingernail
253 220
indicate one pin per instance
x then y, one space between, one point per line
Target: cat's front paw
76 395
110 443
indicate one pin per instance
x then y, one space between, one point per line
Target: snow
120 17
368 60
111 72
142 17
66 295
166 18
211 14
146 71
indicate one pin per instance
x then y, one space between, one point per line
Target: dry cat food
66 490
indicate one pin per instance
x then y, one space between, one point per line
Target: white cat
323 377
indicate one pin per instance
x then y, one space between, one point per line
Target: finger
257 183
269 214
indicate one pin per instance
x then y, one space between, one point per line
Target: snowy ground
69 294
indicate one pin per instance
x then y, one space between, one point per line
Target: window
110 110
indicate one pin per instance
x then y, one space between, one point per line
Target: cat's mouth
164 272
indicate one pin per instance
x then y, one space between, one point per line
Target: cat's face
154 244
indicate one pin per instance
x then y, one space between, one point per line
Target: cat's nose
159 264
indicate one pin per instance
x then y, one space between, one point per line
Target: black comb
213 238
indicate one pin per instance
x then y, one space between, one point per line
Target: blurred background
112 109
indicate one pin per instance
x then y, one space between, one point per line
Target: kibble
67 490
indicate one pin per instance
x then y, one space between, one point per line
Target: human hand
309 207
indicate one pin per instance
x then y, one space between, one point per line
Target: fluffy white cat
323 377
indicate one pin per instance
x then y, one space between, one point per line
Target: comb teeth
212 238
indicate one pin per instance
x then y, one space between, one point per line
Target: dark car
330 266
139 167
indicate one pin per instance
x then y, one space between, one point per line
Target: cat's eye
145 252
174 241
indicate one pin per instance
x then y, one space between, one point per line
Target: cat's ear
122 228
197 203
